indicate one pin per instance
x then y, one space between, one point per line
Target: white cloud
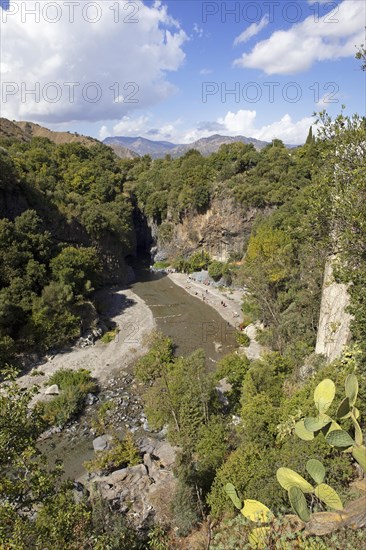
111 53
295 50
286 129
241 121
205 71
130 126
103 133
198 30
251 31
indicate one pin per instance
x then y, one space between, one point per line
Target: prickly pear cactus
324 393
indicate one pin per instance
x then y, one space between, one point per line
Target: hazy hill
27 130
142 146
211 144
158 149
123 152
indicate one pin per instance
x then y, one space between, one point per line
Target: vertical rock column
334 322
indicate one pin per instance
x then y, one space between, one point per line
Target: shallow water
189 321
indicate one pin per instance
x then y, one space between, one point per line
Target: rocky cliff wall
222 231
334 321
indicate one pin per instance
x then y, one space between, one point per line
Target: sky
180 70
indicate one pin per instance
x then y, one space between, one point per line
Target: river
189 321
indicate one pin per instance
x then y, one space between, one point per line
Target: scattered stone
141 492
91 399
146 426
52 390
222 388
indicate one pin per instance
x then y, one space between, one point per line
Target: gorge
79 230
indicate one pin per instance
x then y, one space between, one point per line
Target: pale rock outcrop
144 491
334 321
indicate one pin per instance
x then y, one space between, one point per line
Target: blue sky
181 69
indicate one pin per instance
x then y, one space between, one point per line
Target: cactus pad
344 409
257 537
314 424
329 496
316 469
288 478
339 438
302 432
351 386
256 511
298 503
324 394
231 492
359 454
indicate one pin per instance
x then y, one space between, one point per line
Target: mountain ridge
158 149
25 131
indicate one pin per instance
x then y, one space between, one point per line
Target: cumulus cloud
205 71
333 36
289 131
251 31
84 70
243 122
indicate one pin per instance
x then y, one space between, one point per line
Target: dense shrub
74 386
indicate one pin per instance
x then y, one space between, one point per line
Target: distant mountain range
124 147
158 149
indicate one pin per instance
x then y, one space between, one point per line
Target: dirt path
133 318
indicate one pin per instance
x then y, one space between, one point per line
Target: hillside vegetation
67 222
75 216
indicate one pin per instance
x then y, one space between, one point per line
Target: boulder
52 390
140 492
102 443
160 450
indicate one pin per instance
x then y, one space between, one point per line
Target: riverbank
227 303
133 319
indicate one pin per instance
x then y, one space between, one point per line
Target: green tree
76 268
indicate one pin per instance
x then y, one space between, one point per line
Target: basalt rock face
222 231
144 232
